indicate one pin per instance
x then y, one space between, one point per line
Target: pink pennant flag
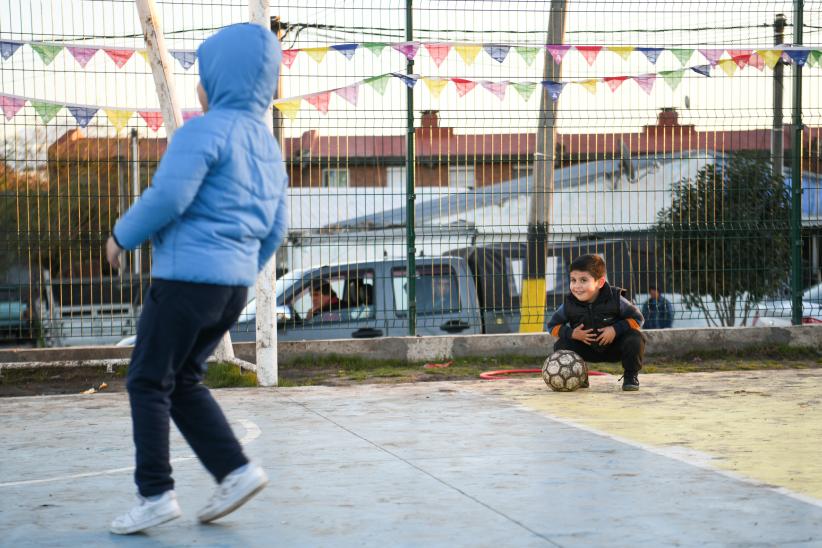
189 114
319 101
756 61
497 88
438 52
712 55
558 52
119 56
589 52
288 56
349 93
409 49
646 82
614 81
153 118
740 56
11 105
82 55
463 85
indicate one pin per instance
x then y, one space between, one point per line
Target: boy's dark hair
653 286
592 264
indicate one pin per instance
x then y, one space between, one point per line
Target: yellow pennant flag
770 56
318 54
468 53
118 118
590 85
289 108
622 51
436 85
728 65
144 54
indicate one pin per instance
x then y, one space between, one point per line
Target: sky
721 102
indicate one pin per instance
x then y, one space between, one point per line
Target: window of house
396 177
335 177
461 176
522 170
437 290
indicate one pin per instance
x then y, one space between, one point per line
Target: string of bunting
321 101
438 51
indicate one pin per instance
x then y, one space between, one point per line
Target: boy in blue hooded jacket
215 213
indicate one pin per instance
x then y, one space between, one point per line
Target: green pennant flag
46 52
375 47
815 57
672 77
524 89
682 54
528 54
45 111
379 82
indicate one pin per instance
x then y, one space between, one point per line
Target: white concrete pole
267 374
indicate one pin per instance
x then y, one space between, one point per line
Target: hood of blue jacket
239 67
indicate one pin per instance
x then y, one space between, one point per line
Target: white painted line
252 432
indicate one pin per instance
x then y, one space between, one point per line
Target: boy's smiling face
584 286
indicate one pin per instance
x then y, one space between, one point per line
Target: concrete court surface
724 459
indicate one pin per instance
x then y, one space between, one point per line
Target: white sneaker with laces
236 489
148 513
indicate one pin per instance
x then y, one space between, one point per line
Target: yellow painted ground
766 425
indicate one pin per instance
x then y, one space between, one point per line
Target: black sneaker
630 382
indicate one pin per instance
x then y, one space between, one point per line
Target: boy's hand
583 335
113 253
606 336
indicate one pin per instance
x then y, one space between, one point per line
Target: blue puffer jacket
216 208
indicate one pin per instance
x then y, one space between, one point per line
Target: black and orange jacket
610 308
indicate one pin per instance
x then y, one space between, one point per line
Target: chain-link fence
447 161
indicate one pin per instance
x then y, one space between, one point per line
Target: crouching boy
598 323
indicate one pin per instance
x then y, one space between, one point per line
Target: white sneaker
236 489
147 514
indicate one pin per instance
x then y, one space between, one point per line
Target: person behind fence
657 310
597 322
215 213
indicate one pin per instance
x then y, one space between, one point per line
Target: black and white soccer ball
564 371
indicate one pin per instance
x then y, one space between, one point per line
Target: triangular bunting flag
318 54
712 55
798 56
11 105
8 48
497 88
622 51
496 52
646 82
81 55
683 54
468 53
589 52
590 85
438 52
289 55
614 81
46 52
347 50
740 56
83 115
756 61
557 51
728 66
153 118
554 89
672 77
45 111
409 81
463 85
189 114
349 93
118 118
289 108
815 57
186 58
119 56
527 53
704 70
319 101
525 89
144 54
436 85
409 49
375 47
378 83
651 53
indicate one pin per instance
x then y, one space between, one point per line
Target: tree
725 238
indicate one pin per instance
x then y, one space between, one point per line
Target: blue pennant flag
83 115
798 56
346 49
554 88
498 53
704 70
7 48
651 53
184 57
409 81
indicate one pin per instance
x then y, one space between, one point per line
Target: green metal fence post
796 175
410 194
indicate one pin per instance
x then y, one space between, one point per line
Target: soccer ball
564 371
